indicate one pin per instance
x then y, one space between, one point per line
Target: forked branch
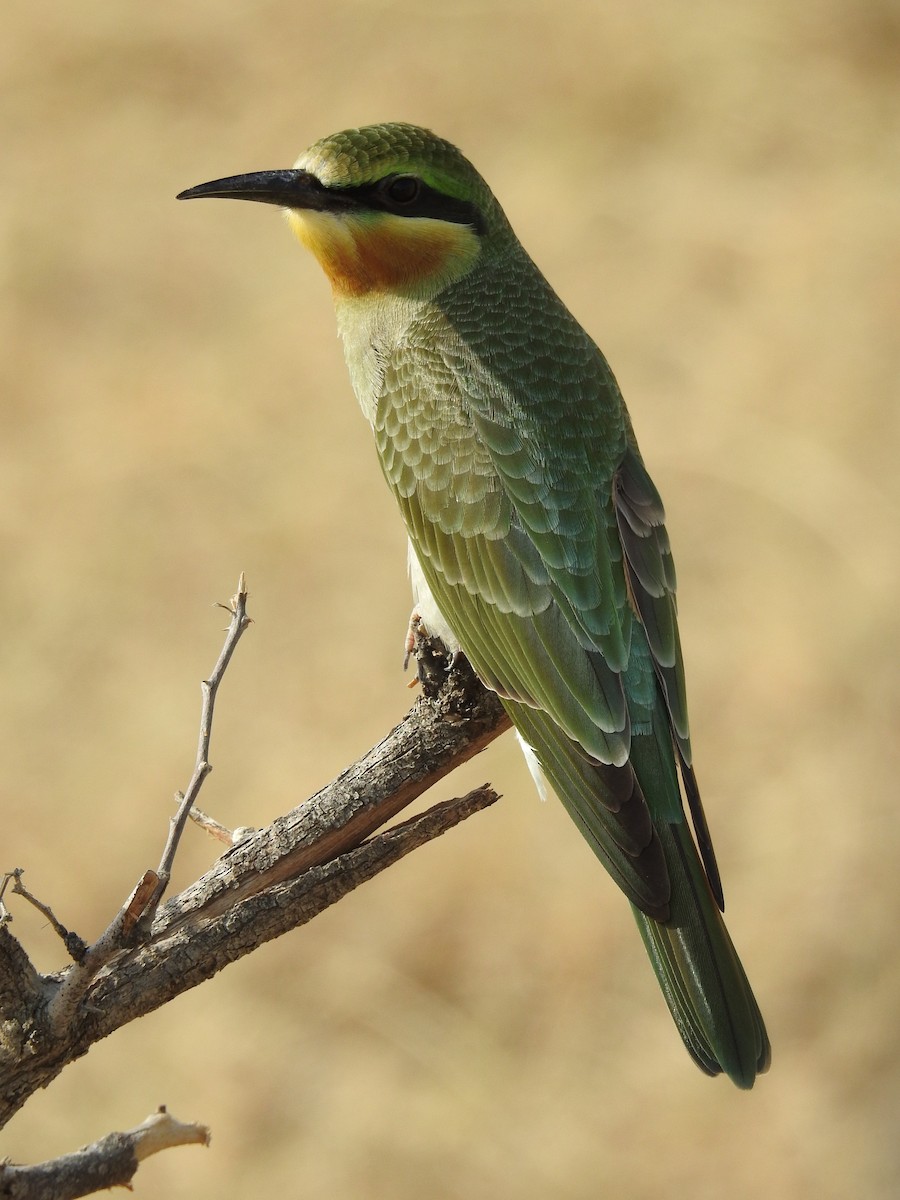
271 881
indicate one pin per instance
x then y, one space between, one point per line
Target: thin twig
5 880
215 829
237 606
133 920
75 945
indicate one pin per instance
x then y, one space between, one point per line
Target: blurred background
713 190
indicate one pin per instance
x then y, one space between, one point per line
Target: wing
509 508
542 540
651 579
521 551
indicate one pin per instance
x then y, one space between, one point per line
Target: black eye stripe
423 201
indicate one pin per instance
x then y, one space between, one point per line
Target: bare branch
237 606
110 1162
217 830
72 942
272 881
436 736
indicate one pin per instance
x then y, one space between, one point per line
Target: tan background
713 189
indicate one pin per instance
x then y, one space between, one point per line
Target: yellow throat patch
380 252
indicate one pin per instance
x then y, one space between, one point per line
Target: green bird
537 539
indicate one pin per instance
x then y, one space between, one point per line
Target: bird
537 539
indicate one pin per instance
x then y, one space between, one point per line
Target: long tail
658 865
700 974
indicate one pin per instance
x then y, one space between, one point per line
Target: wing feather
540 536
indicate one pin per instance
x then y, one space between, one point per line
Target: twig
237 606
76 946
110 1162
5 880
133 920
217 830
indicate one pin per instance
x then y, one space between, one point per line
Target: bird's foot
433 661
415 630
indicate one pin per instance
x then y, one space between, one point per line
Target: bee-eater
537 538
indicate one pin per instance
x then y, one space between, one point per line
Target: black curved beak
287 189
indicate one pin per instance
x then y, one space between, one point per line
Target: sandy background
713 189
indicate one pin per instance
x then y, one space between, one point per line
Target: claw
414 629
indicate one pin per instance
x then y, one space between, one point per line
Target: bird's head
386 209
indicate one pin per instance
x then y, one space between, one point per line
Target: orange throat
380 252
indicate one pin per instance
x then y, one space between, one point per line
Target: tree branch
272 881
110 1162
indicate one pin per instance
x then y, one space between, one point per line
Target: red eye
403 189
